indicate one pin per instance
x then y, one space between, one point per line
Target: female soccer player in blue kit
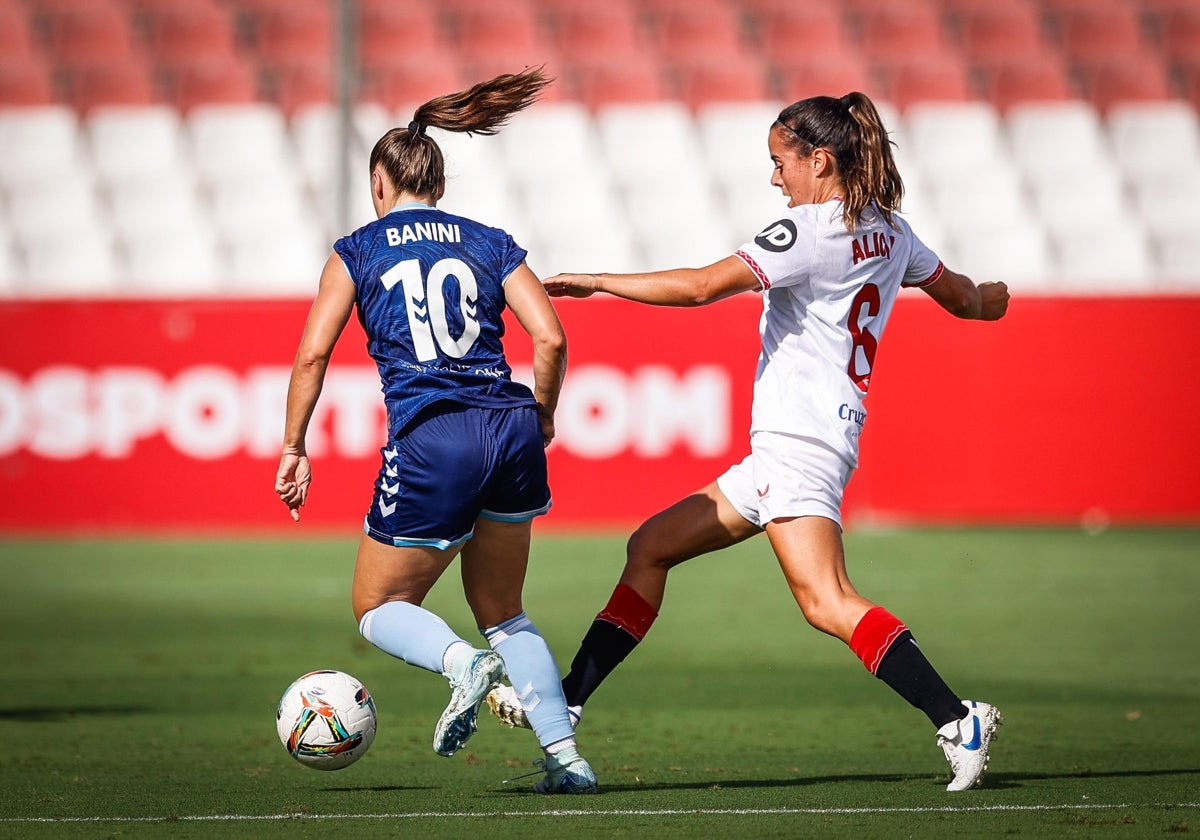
829 270
464 469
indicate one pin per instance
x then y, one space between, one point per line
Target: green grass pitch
140 680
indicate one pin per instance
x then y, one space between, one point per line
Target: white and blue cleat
567 772
965 743
469 684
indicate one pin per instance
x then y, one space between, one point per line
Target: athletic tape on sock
629 611
874 634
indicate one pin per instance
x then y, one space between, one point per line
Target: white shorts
785 475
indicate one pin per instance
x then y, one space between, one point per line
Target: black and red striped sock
614 633
889 651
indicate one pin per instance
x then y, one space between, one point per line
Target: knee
646 549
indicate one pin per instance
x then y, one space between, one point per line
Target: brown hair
852 130
412 159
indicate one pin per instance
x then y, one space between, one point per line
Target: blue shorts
454 464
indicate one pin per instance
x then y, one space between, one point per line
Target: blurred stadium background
172 173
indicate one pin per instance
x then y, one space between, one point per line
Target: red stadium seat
808 29
890 32
799 78
183 32
16 34
625 79
726 79
227 80
1043 78
128 80
698 31
409 79
588 31
495 27
1003 31
25 81
1093 32
285 31
1180 31
83 31
930 77
299 82
386 27
1135 77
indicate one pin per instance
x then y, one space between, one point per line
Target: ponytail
413 160
852 130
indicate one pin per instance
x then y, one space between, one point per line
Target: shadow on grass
994 781
44 714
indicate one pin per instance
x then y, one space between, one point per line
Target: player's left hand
570 285
292 481
993 301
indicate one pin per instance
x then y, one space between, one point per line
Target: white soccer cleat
506 706
469 684
966 743
567 772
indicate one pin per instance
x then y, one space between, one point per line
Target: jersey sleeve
781 255
511 256
924 267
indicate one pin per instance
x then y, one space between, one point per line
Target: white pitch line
648 812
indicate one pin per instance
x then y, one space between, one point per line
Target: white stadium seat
551 140
179 261
136 142
1055 137
229 142
1103 258
37 142
1154 137
89 267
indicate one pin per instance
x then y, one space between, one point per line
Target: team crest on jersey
778 237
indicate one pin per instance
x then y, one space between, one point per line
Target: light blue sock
409 632
534 674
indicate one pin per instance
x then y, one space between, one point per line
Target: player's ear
823 163
377 183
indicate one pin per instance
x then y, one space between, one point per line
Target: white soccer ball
326 720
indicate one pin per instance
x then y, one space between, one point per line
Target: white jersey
827 295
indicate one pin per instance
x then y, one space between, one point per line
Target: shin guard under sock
615 632
889 651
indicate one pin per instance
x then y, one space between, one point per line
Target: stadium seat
297 82
621 79
26 81
1096 200
650 143
315 129
488 27
77 30
809 29
281 32
687 32
136 202
1154 137
1177 264
733 137
1103 259
493 201
799 77
897 31
1066 136
1179 31
125 80
284 260
1094 31
89 268
588 31
1133 77
134 142
734 78
234 142
938 76
995 196
1033 79
1014 250
1166 201
16 34
1008 31
38 142
181 261
405 80
951 140
386 28
550 141
184 33
211 80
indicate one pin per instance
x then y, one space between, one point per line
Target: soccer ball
326 720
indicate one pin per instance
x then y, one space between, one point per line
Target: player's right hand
292 481
993 301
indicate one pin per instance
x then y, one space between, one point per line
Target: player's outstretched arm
326 320
958 295
535 313
673 287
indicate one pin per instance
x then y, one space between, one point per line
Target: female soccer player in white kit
464 471
829 271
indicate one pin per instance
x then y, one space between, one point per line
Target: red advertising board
131 416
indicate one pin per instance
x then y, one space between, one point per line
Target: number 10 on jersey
425 304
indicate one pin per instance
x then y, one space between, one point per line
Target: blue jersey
430 294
